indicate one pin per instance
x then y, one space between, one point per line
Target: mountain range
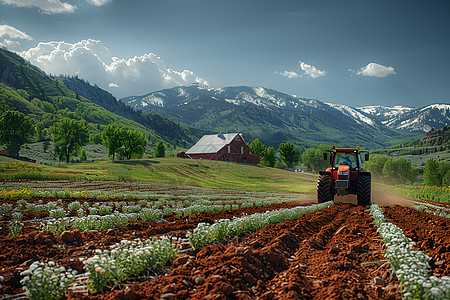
181 115
275 117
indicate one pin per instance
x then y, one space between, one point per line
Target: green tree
83 155
36 102
257 148
313 157
399 170
288 154
431 173
133 144
376 163
269 158
97 139
41 132
278 165
48 107
69 136
310 158
112 138
16 129
24 94
446 179
160 149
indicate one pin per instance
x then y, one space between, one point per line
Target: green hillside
28 89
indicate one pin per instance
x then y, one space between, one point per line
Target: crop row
102 216
106 267
434 210
411 267
205 234
126 259
129 190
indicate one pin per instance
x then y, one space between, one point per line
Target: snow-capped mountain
243 95
357 114
395 117
385 113
409 118
272 116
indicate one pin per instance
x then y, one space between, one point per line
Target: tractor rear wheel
324 189
363 190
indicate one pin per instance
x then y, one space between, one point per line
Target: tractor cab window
348 159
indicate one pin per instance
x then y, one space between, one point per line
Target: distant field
202 173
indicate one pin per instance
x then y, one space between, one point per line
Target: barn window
245 160
237 138
242 150
229 149
222 158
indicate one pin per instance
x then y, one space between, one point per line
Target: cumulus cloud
377 70
311 71
46 6
9 36
91 60
98 2
289 74
6 30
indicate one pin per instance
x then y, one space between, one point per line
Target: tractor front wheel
363 191
324 189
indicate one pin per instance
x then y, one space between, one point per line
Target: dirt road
379 196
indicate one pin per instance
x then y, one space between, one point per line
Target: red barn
224 147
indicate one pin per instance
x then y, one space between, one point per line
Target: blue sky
348 52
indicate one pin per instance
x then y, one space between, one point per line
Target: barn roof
212 143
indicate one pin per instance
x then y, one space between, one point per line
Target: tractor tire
324 189
363 190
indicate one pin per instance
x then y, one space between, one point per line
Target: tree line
69 136
396 170
436 173
288 154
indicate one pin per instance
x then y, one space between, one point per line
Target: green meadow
171 170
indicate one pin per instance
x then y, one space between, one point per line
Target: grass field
201 173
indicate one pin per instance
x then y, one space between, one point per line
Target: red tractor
345 175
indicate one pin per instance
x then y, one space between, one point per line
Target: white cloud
91 60
11 45
289 74
47 6
13 34
311 71
98 2
374 69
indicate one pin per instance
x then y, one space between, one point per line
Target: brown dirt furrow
329 265
430 232
36 245
317 256
239 270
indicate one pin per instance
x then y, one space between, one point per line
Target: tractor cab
345 175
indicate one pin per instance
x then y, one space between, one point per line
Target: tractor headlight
343 172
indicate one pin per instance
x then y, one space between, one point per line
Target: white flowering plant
73 206
204 234
56 226
150 214
125 259
411 267
14 227
47 280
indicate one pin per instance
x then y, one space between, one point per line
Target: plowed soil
334 253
